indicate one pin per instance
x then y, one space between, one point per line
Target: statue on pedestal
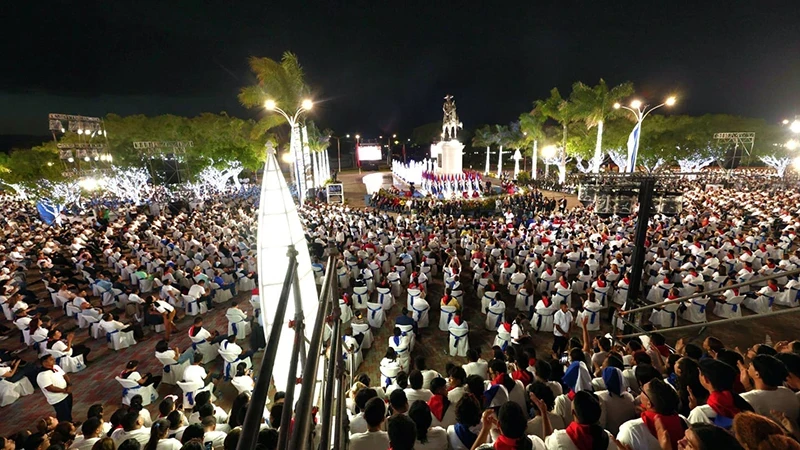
450 123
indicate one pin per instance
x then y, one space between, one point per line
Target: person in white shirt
618 406
132 428
374 438
213 436
56 387
415 391
455 383
200 292
545 394
562 322
659 402
583 432
159 437
428 437
476 365
427 375
358 423
765 376
91 430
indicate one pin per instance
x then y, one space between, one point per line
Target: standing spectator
562 321
56 386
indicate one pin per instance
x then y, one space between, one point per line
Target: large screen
369 153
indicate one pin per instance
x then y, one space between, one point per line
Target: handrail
710 324
298 353
258 398
327 399
712 291
302 429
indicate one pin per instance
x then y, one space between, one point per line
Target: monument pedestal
449 156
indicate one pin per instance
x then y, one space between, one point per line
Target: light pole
339 149
640 111
301 160
358 163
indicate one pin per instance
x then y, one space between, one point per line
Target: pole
258 398
301 434
291 382
339 153
646 188
327 401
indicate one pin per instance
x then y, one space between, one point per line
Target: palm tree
532 126
502 137
562 111
483 138
594 105
282 82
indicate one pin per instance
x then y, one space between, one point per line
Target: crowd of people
524 291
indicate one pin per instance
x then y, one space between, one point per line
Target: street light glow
786 121
287 158
348 136
307 104
792 144
670 101
269 105
617 106
394 135
636 104
795 126
358 136
549 151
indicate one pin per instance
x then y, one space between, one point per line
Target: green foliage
28 166
596 104
283 82
427 134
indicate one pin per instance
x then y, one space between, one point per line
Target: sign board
335 193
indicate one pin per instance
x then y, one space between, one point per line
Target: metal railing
623 314
301 436
258 398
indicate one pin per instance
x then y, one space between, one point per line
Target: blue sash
464 435
539 320
126 390
374 311
703 307
108 335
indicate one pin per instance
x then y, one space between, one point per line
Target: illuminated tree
779 163
620 158
594 105
695 163
127 184
591 164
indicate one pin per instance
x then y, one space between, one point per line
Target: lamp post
301 160
339 149
358 163
640 111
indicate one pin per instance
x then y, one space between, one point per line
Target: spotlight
80 131
97 158
86 158
71 159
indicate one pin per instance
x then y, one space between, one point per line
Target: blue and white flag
633 145
49 212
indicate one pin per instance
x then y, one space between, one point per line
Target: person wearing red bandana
511 422
584 433
660 403
722 404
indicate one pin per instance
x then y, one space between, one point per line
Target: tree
563 112
532 126
127 183
594 105
484 138
283 82
502 137
620 158
779 163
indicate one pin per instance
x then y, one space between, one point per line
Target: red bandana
673 424
457 320
580 435
507 326
498 379
436 404
564 284
505 443
546 302
601 283
571 395
722 404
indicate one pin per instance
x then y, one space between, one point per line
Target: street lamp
295 147
339 148
640 111
795 126
792 144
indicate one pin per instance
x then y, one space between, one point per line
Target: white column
486 171
535 159
500 162
278 227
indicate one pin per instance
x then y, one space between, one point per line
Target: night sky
382 67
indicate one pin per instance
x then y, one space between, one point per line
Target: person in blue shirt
406 319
